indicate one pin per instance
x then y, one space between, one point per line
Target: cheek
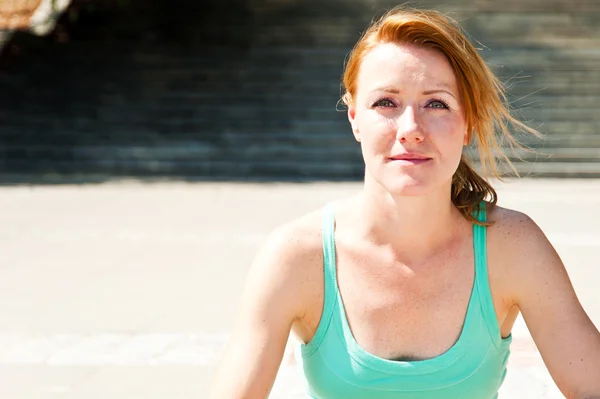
370 121
376 130
447 132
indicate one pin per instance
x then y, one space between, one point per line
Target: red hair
481 93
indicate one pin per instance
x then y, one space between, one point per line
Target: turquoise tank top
336 367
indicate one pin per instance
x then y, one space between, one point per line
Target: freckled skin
408 118
404 252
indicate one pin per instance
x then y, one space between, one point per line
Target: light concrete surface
130 290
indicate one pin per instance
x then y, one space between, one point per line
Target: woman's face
407 115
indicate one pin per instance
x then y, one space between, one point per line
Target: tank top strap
328 234
481 276
329 275
329 261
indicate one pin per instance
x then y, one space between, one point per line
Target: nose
408 128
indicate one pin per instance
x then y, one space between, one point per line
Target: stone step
258 170
191 152
353 7
530 63
543 27
551 128
558 170
313 134
290 91
203 127
299 57
563 140
317 85
534 6
199 80
335 150
555 155
226 170
306 58
294 101
517 60
322 27
346 33
223 110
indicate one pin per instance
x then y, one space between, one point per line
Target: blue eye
384 102
438 104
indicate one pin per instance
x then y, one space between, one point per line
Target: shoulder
506 221
535 279
288 265
515 231
296 240
519 250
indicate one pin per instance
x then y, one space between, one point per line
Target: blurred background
148 147
248 89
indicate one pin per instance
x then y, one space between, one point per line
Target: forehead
405 65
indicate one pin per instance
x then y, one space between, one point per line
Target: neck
414 226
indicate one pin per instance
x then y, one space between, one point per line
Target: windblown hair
481 93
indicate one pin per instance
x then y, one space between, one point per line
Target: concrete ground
129 290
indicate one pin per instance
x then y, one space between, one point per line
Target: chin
407 183
407 186
408 190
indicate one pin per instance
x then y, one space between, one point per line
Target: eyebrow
438 91
394 90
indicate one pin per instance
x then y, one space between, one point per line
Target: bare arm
564 334
271 302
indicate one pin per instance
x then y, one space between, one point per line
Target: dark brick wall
249 89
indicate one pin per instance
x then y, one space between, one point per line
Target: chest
400 311
405 311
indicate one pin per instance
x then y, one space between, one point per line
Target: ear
353 124
467 137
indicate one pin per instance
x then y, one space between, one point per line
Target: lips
409 157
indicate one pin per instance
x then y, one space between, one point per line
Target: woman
410 289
